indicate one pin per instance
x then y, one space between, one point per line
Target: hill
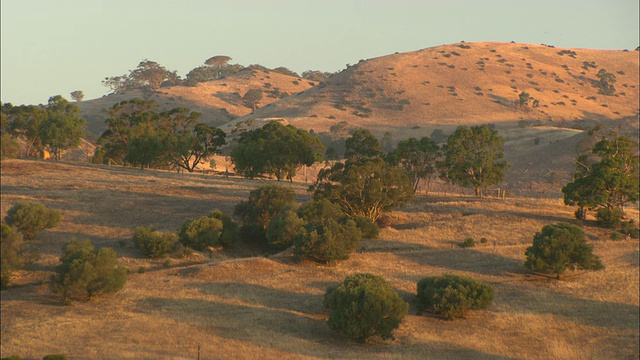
241 305
218 101
467 83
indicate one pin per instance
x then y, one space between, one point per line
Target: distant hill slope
219 101
467 83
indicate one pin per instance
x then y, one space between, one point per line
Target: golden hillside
467 83
219 101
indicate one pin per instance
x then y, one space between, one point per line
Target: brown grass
244 307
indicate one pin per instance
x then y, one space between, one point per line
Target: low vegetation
217 229
452 296
31 217
153 243
12 249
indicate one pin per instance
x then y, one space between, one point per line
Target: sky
55 47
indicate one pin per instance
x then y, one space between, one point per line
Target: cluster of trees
148 77
139 135
605 179
54 128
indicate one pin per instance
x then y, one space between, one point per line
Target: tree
252 97
605 83
283 228
473 158
218 60
12 249
558 247
275 149
191 147
452 296
264 204
63 128
417 158
362 144
10 148
607 179
31 217
77 95
24 122
438 136
148 77
327 240
387 142
364 187
524 98
84 273
364 305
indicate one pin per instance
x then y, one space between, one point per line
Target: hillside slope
467 83
219 101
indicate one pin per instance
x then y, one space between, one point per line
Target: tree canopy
417 158
362 144
473 158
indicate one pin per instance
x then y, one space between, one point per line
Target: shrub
253 233
615 236
316 210
30 217
11 254
468 242
451 296
483 240
216 229
368 228
629 228
609 217
153 244
558 247
12 357
327 240
364 305
283 229
84 272
55 357
9 147
264 204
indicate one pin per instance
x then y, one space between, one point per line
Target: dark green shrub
629 228
327 240
283 228
12 249
610 217
364 305
253 234
451 296
264 204
558 247
316 210
216 229
368 228
84 272
615 236
142 270
30 217
483 240
153 243
55 357
9 147
468 242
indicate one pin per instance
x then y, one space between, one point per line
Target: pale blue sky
52 47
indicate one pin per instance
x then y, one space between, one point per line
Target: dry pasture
240 305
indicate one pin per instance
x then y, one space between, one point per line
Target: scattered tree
12 249
558 247
30 217
264 204
605 83
362 144
417 158
85 273
63 128
252 97
364 305
77 95
452 296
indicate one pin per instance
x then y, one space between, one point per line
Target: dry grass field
241 305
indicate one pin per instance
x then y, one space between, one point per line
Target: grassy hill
237 305
467 83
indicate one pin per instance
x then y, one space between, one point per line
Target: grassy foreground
240 306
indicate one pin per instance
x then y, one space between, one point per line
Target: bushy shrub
30 217
615 236
9 147
327 240
264 204
368 228
558 247
283 228
253 234
216 229
316 210
11 254
609 217
451 296
364 305
153 243
84 272
483 240
629 228
468 242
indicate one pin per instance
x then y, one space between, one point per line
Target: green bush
11 254
9 147
364 305
558 247
30 217
451 296
55 357
316 210
216 229
253 234
264 204
283 228
629 228
468 242
483 240
615 236
85 273
327 240
368 228
154 244
609 217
